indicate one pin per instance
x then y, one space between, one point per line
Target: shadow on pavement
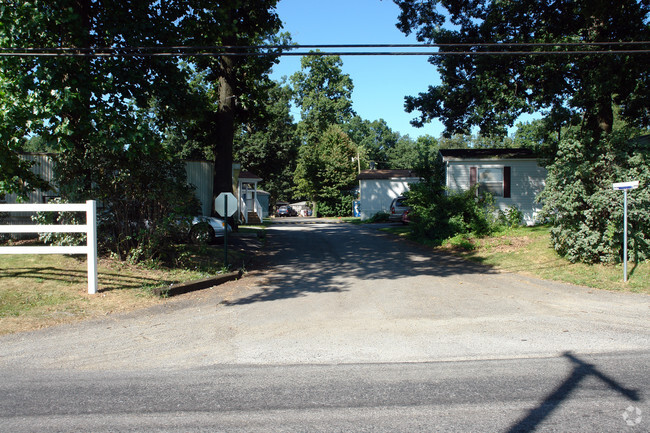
326 258
581 370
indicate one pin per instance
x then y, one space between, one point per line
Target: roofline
486 154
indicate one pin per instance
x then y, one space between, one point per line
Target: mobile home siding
200 175
377 194
526 182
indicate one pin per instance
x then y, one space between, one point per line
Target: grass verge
528 250
37 291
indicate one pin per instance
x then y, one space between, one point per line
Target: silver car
397 208
207 229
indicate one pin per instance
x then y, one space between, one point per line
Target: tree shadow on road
330 257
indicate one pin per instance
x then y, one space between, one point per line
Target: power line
460 49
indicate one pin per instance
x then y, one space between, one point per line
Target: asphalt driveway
339 293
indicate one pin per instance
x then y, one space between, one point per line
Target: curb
190 286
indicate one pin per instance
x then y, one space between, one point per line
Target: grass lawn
43 290
527 250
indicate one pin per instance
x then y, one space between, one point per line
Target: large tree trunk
225 129
600 120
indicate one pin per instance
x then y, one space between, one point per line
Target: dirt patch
506 244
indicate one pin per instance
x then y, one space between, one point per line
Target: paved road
572 393
366 313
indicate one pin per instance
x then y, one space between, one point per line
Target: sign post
225 205
625 186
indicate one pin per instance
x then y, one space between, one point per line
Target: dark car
286 211
397 208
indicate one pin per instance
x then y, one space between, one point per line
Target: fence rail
90 228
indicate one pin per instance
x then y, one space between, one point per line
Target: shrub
437 215
142 195
587 215
64 239
379 217
511 217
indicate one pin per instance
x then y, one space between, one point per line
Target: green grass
528 250
42 290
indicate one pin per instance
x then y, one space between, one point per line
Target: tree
323 93
409 154
103 115
268 144
586 212
326 172
581 94
375 138
238 79
491 91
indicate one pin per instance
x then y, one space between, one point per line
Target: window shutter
506 182
472 176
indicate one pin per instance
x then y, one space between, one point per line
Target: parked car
286 211
406 217
397 208
207 229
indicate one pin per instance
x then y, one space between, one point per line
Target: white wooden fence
90 228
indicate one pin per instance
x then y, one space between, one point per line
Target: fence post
91 222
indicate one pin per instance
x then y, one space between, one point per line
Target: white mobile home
512 176
377 188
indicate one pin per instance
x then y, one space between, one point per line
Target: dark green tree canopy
491 91
268 143
323 93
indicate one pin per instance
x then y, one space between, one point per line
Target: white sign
225 201
626 185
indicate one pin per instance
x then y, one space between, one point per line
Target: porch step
253 218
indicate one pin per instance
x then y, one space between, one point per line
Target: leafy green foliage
379 217
375 140
587 214
146 196
268 144
326 172
118 123
491 91
74 218
511 217
437 214
323 93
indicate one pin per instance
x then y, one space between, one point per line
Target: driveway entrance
339 293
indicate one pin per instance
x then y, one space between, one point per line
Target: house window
495 180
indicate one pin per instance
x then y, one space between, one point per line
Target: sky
380 82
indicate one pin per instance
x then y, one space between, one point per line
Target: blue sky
380 82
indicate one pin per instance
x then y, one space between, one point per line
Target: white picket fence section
90 228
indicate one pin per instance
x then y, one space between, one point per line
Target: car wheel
202 233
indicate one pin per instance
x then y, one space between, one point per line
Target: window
495 180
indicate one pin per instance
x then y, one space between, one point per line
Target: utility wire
463 49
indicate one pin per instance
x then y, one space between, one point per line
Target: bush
336 204
63 239
586 213
437 215
511 217
142 195
379 217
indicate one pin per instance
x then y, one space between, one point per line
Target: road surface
346 329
